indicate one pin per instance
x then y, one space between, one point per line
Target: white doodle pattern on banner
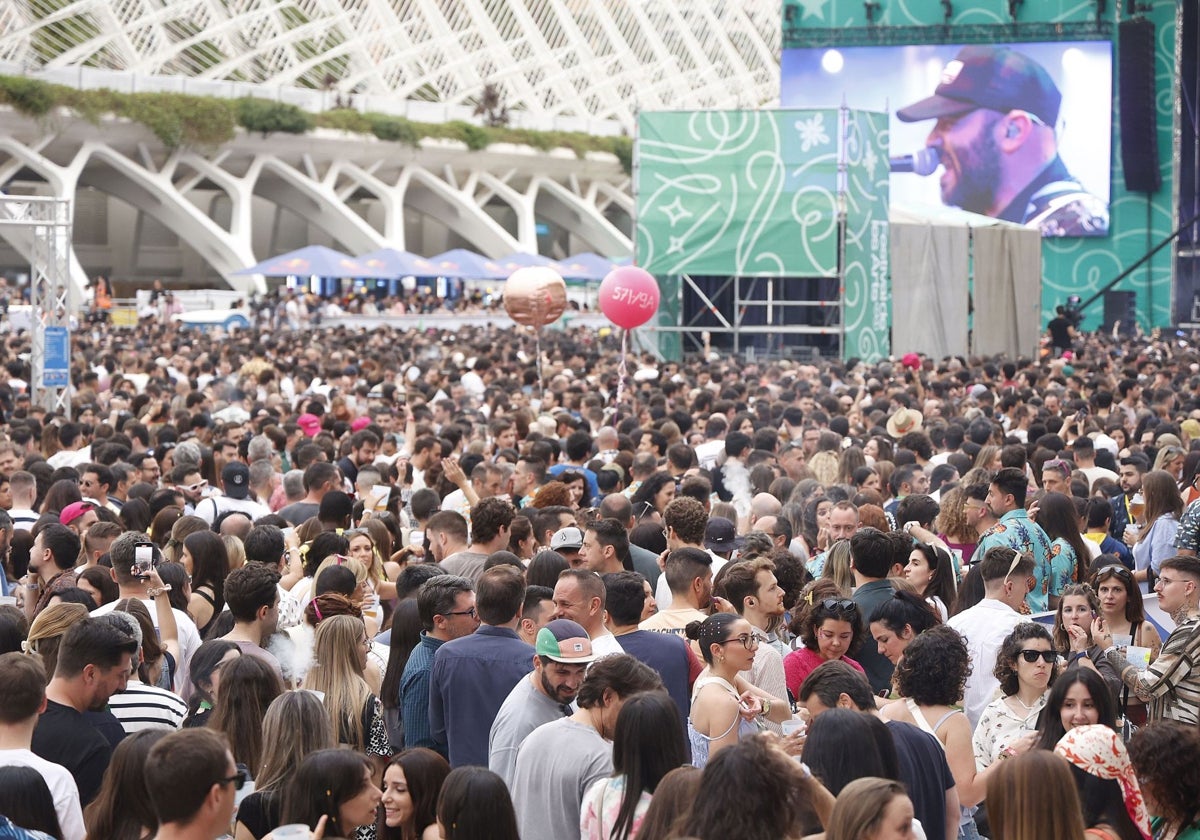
748 193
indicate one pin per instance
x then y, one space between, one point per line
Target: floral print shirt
1020 533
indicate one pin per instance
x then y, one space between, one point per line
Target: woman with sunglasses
724 706
1170 459
1156 538
1025 668
653 496
829 626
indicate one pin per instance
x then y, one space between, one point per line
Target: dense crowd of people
272 584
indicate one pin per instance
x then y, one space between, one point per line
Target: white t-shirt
63 789
214 506
662 591
985 627
189 641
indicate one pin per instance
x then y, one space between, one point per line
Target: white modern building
193 216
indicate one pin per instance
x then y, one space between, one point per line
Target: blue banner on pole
56 359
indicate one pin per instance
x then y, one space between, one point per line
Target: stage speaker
1139 112
1120 306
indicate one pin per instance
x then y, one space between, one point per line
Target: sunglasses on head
1047 656
843 605
1118 571
1012 567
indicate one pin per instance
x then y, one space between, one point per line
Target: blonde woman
871 809
183 527
47 631
341 650
837 566
363 595
235 550
296 724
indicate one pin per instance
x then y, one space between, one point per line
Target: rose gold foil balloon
535 296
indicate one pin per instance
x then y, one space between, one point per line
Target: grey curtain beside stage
930 269
1008 291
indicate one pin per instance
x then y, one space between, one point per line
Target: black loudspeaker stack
1139 112
1120 306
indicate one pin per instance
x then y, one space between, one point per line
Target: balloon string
537 344
621 369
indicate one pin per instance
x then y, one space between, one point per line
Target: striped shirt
141 706
1171 685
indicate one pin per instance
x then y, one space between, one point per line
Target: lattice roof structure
600 59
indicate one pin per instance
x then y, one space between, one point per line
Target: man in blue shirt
578 448
1006 501
626 597
473 675
446 606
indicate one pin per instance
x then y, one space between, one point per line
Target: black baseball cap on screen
996 78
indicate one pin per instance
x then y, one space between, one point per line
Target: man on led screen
996 111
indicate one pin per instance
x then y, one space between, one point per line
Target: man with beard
996 111
94 662
563 653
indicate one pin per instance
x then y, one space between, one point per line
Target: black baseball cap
996 78
720 536
236 478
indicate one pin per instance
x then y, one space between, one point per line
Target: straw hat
904 421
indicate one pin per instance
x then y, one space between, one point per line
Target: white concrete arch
154 194
602 194
553 200
521 205
456 211
393 205
238 190
314 201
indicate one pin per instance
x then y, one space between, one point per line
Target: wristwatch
1083 654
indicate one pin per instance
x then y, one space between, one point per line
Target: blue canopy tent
520 259
390 263
462 264
313 261
454 268
586 267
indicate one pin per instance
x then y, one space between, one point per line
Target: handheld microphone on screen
921 162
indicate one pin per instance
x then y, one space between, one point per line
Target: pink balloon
629 296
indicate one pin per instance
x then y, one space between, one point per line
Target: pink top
801 662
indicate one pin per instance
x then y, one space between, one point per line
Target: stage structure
46 223
768 230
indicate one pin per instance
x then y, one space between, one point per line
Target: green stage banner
740 193
866 299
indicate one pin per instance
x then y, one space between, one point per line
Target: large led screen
1020 132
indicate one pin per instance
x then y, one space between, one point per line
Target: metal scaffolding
48 220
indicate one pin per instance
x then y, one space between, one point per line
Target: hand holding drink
1137 506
